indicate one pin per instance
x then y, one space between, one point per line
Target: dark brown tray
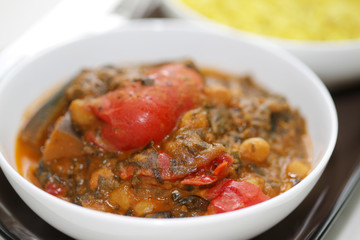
309 221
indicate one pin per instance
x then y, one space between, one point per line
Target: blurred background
16 16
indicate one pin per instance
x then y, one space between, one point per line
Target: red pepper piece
230 195
216 170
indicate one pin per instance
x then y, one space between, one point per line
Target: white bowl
335 62
149 41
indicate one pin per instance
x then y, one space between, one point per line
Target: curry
164 140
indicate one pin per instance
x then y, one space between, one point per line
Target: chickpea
143 207
218 94
194 119
81 114
298 168
258 181
255 150
121 197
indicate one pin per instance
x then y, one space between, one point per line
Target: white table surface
22 20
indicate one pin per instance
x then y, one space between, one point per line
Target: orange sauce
27 160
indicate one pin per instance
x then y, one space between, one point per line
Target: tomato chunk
229 195
137 114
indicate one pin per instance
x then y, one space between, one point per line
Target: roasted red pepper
214 171
229 195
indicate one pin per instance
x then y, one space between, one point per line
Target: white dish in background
152 41
336 63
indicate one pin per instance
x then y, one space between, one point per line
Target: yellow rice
293 19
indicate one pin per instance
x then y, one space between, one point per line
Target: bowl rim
163 25
180 9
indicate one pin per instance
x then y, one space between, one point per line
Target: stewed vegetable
163 141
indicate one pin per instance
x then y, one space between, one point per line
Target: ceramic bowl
335 62
153 41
